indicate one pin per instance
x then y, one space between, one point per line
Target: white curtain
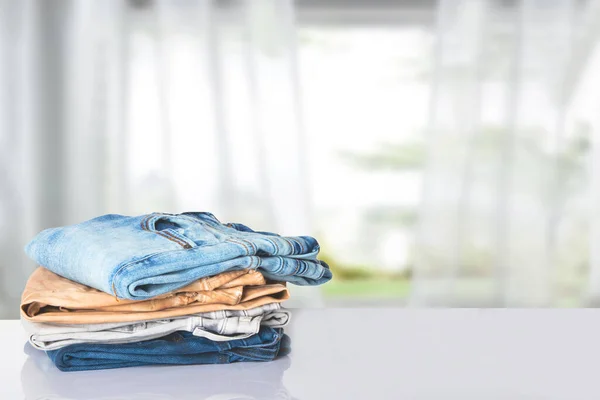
138 106
507 200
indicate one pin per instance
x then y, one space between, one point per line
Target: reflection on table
40 379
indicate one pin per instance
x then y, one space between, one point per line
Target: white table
358 354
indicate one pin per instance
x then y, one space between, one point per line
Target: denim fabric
178 348
146 256
54 336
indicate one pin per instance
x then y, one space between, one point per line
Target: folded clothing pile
119 291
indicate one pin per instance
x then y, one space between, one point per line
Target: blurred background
444 153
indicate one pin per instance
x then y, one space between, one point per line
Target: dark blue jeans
179 348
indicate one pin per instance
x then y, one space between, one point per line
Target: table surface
356 354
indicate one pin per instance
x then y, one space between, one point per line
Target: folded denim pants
179 348
239 325
146 256
51 298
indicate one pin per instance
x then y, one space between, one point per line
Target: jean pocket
172 227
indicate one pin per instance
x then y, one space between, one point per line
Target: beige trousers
49 297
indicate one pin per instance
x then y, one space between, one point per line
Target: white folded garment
216 325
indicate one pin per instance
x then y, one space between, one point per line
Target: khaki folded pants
49 297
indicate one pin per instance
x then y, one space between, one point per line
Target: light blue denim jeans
146 256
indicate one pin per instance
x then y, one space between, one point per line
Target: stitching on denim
118 271
285 240
293 242
238 243
297 262
127 265
166 235
210 226
273 243
290 243
182 238
251 245
299 241
232 240
277 268
322 272
281 264
190 218
145 224
172 238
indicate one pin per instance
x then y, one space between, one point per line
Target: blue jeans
179 348
142 257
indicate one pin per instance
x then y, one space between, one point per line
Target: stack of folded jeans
119 291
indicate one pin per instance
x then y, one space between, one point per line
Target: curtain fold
503 218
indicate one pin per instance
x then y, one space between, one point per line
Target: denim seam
188 242
168 235
235 241
274 340
274 244
322 272
145 226
280 266
192 219
298 264
251 244
174 239
302 249
231 240
290 243
205 224
120 269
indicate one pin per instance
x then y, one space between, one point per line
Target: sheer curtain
139 106
506 202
